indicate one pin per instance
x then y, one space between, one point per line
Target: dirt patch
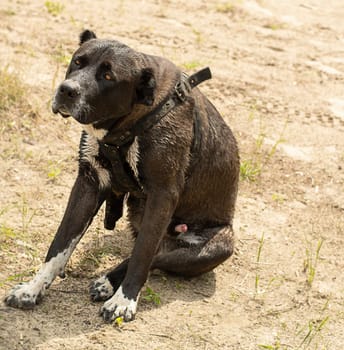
278 80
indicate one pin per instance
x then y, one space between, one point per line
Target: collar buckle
182 90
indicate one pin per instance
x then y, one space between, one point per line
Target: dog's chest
90 149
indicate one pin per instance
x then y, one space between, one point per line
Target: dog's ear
87 35
145 88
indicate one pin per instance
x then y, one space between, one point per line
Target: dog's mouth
64 114
80 115
62 110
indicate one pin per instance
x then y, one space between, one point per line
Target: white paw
119 306
27 295
24 296
101 289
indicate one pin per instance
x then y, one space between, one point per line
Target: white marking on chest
133 157
89 151
99 134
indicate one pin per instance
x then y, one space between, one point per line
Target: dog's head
104 80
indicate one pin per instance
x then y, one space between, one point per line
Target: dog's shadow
171 287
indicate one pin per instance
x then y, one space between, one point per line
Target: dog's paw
23 296
119 306
101 289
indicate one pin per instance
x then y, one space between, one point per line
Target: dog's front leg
85 199
159 208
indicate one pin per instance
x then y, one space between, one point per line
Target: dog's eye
77 61
107 76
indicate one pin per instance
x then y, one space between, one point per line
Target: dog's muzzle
67 94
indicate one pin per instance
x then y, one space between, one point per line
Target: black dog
152 141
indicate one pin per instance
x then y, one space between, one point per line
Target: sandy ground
278 70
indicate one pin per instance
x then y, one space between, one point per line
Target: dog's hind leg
193 253
190 254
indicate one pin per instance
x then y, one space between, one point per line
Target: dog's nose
69 89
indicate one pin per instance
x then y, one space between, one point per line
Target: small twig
309 7
160 335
